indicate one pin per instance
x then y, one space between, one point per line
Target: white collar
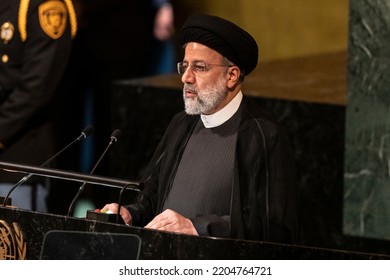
224 114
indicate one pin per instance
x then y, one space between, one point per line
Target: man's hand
2 147
171 221
113 207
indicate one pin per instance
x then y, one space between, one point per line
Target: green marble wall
367 144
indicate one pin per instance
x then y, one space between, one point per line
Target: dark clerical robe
263 196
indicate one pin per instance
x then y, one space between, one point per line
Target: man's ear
233 73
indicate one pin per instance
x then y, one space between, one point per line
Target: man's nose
188 76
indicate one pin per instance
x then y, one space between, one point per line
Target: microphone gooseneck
115 135
127 186
84 134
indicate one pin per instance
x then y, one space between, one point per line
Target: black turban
223 36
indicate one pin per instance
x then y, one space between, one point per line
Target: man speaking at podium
224 167
35 43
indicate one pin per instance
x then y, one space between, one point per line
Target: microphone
84 134
113 139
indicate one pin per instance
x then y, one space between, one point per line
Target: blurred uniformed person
35 43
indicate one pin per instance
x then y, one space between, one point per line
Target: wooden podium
22 234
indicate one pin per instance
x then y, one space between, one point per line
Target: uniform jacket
263 205
35 44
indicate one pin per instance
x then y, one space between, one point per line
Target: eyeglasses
197 68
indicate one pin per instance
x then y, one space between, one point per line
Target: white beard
207 100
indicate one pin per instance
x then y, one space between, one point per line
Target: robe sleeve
212 225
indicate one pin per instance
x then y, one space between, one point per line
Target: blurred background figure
163 30
35 44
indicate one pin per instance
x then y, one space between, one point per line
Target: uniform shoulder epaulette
22 19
